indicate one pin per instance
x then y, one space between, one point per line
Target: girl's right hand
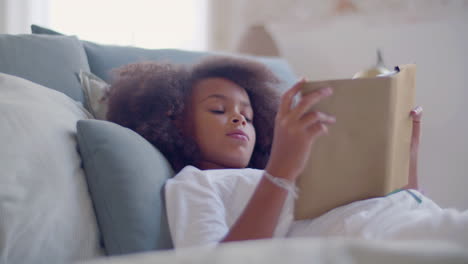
296 130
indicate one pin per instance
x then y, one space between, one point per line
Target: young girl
238 149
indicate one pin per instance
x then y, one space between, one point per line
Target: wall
16 16
334 39
2 16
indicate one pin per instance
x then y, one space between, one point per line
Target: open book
366 153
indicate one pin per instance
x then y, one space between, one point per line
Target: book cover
366 152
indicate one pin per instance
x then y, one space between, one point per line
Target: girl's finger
309 100
415 132
317 130
414 140
311 118
286 98
416 114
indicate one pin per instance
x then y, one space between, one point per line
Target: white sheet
305 250
406 215
203 205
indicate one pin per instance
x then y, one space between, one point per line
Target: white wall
2 16
321 43
142 23
16 16
440 50
225 24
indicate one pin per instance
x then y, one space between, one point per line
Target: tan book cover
366 152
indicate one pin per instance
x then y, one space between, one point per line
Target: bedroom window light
144 23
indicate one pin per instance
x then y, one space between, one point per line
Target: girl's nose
239 119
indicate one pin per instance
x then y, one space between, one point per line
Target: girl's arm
296 129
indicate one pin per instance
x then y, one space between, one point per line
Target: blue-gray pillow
103 58
125 176
52 61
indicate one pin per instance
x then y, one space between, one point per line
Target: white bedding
305 250
46 215
406 215
203 205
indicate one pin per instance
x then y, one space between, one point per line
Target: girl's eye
220 112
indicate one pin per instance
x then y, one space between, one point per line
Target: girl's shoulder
221 183
192 173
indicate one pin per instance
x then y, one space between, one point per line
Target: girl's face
219 119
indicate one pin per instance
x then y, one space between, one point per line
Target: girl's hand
416 115
296 129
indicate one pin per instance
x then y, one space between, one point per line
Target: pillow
103 58
125 176
45 208
95 93
52 61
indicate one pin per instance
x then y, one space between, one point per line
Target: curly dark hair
149 97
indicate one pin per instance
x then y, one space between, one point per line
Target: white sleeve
195 212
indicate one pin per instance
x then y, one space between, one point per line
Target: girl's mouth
238 134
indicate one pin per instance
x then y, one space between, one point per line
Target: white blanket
304 250
406 215
203 205
401 228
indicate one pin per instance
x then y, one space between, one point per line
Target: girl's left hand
416 115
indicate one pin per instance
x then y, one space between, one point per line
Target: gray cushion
125 175
103 58
52 61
